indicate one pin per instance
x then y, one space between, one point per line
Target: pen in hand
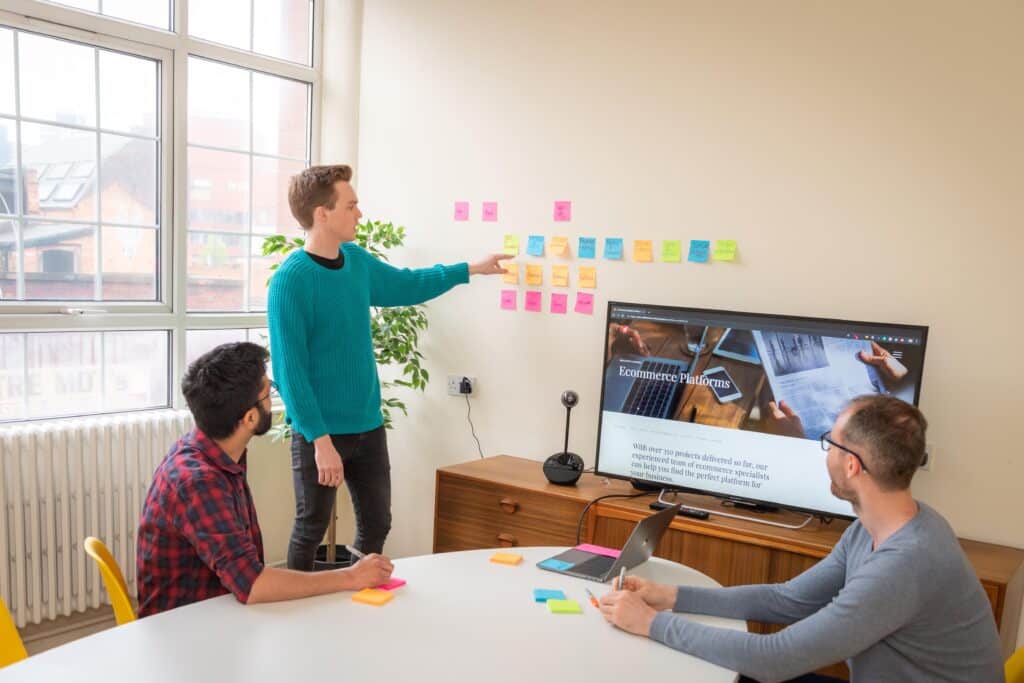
622 579
593 600
355 553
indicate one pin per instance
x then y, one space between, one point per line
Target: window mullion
19 210
97 189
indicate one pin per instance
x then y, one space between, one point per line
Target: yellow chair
113 580
11 648
1015 667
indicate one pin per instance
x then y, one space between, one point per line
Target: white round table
460 618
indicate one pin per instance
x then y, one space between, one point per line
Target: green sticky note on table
725 250
671 251
564 607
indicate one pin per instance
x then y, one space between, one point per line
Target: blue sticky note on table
699 251
544 594
613 248
535 245
557 565
588 247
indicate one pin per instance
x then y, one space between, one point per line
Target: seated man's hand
783 420
658 596
628 611
371 571
891 369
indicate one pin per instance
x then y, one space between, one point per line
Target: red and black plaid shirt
198 537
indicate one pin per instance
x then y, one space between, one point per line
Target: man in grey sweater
896 598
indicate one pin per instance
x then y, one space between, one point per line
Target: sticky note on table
511 245
560 245
534 274
564 607
511 276
725 250
506 558
560 276
671 251
587 247
544 594
584 303
373 596
532 301
559 303
563 211
462 211
490 211
508 299
535 245
699 251
613 248
393 583
643 251
557 565
588 277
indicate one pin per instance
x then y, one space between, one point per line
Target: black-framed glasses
827 442
272 394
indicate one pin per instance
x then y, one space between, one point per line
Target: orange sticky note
372 596
506 558
588 277
560 276
511 276
559 246
534 274
643 250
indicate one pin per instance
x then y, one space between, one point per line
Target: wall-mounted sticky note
506 558
393 583
588 277
462 211
534 274
643 251
511 276
490 212
535 245
699 251
532 301
564 607
559 303
508 299
560 246
560 276
725 250
545 594
671 251
511 245
584 303
563 211
587 247
613 248
372 596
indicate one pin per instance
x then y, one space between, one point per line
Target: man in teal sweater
318 312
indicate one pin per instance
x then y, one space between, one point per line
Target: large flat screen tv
734 404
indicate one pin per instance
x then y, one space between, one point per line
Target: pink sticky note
559 303
599 550
462 211
584 303
532 301
563 211
393 583
490 212
508 299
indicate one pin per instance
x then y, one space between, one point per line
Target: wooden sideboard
506 501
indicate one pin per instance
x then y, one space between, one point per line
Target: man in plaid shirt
199 536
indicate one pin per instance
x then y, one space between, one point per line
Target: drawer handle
508 505
507 540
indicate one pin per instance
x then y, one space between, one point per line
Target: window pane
48 155
60 261
216 271
259 274
218 104
12 377
128 93
135 370
63 373
129 264
149 12
88 5
281 29
270 195
8 261
280 115
8 172
222 21
6 72
198 342
57 80
129 176
218 190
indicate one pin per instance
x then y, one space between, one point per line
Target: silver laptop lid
645 538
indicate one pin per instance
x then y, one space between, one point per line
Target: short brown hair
314 187
893 433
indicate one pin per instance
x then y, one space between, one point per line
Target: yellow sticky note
559 246
643 250
534 274
512 245
725 250
588 277
506 558
560 276
372 596
511 276
671 251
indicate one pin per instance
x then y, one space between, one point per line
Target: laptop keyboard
649 397
596 566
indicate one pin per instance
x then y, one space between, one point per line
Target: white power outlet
455 384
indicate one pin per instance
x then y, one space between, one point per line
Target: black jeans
368 476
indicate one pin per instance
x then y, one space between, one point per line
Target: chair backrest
113 580
11 648
1015 667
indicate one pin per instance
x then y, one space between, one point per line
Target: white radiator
62 481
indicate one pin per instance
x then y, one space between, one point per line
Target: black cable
472 429
583 515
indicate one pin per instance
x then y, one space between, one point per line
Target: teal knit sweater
320 342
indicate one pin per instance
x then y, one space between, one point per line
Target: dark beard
265 422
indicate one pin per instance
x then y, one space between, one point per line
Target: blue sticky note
543 595
588 247
613 248
699 251
557 565
535 245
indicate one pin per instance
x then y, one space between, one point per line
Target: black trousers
368 477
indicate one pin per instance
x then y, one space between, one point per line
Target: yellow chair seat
1015 667
11 648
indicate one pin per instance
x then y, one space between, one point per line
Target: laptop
627 388
594 566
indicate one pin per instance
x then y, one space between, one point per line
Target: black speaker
565 468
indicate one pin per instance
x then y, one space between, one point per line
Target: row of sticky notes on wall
561 213
614 249
586 277
558 302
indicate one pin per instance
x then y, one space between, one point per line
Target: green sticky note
671 251
725 250
564 607
511 246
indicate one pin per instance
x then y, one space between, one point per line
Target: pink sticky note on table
508 299
598 550
563 211
393 583
490 211
559 303
462 211
584 303
532 301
